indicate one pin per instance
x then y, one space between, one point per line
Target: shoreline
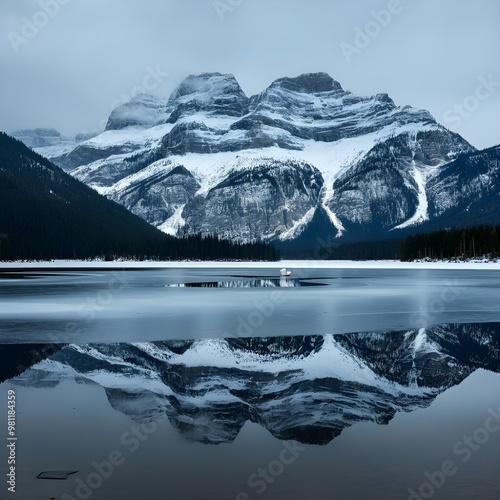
292 264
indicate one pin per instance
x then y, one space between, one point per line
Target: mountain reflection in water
284 282
305 388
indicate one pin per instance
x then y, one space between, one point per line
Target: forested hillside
47 214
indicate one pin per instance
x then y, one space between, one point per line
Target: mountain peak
310 83
142 110
203 83
384 98
216 93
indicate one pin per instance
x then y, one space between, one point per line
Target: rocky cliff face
467 189
303 388
168 189
371 159
271 199
387 189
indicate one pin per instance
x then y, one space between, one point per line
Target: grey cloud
91 54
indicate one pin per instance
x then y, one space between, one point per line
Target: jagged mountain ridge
303 388
372 159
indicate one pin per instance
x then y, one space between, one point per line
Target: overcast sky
67 68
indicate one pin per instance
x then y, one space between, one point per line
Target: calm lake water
236 384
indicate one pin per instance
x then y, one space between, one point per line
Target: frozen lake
148 304
231 383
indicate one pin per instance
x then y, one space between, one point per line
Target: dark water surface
375 384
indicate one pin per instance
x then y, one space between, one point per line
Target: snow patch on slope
160 166
422 344
174 223
131 135
298 226
421 214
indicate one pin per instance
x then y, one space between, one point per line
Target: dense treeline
479 241
214 248
366 250
47 214
453 244
166 248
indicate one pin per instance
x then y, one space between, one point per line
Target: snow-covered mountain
39 137
304 388
212 160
